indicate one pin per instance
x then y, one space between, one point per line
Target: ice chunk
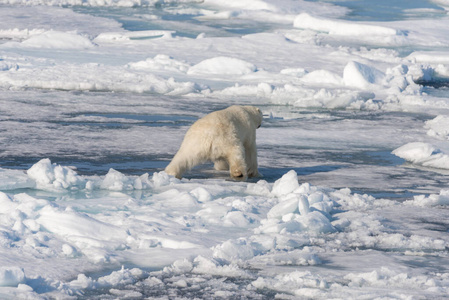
162 179
361 76
303 205
116 181
415 152
262 187
316 222
234 250
11 276
236 218
320 77
58 40
53 176
213 267
6 204
438 127
285 207
76 225
222 66
239 4
432 200
17 34
339 27
69 250
429 57
286 184
128 35
201 194
160 62
5 66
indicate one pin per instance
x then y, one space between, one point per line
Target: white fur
226 137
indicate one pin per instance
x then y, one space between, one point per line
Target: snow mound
429 57
286 223
95 77
286 184
58 40
72 225
17 34
423 154
415 152
438 127
334 27
11 276
48 175
160 62
111 37
320 77
239 4
298 209
121 277
361 76
432 200
5 66
222 66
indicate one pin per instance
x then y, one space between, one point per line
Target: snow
97 95
438 127
415 151
306 21
423 154
362 76
222 66
432 200
48 175
249 4
58 40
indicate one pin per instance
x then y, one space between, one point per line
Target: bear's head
255 115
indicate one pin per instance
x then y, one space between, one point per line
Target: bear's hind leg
251 161
183 161
237 165
175 168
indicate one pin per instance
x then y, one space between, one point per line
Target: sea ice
222 66
11 276
58 40
48 175
362 76
112 90
423 154
438 127
307 21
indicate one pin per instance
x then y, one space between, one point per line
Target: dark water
388 10
169 17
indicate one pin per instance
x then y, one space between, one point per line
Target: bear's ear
261 116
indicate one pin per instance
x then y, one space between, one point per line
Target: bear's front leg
221 164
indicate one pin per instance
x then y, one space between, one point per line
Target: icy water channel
333 148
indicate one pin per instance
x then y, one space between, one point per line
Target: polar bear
226 137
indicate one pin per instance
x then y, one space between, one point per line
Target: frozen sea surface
95 98
388 10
